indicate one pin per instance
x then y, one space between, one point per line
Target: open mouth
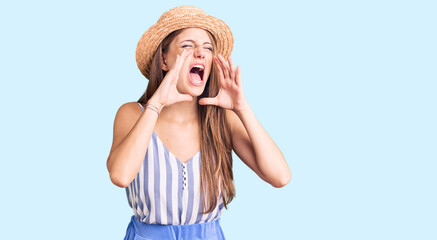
196 74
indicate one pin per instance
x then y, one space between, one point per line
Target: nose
199 53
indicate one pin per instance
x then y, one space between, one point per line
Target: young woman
172 150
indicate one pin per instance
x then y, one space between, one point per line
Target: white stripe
185 199
174 189
142 195
196 200
151 182
162 183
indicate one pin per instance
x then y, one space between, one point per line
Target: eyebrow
189 40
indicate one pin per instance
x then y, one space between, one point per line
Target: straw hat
179 18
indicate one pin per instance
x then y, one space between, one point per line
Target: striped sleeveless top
167 191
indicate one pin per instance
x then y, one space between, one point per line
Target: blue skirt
137 230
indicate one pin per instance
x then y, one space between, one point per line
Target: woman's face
197 67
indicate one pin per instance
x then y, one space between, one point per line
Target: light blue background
347 90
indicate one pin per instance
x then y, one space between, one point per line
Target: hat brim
150 40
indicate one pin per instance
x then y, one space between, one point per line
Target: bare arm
256 149
250 141
131 138
132 132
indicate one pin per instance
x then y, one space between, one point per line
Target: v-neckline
170 153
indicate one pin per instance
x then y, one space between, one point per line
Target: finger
178 61
181 62
187 53
173 71
208 101
232 70
238 76
219 69
182 58
224 66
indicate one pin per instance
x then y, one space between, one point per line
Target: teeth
199 66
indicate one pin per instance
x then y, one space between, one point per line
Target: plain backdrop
346 89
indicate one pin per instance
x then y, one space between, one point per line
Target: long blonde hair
215 139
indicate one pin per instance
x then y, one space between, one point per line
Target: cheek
211 69
209 63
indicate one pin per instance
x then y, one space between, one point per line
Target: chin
192 89
195 92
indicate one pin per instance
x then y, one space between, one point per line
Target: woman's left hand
231 95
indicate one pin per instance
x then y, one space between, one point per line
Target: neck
180 113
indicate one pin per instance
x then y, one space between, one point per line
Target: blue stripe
132 194
135 193
221 207
200 215
139 203
157 183
146 183
140 200
128 196
209 216
169 187
180 189
190 182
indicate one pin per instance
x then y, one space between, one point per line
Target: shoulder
126 117
129 111
130 107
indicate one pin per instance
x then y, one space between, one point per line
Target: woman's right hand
167 93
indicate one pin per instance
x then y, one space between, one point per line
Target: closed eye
185 46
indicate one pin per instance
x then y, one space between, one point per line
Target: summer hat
179 18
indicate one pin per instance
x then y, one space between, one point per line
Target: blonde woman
172 150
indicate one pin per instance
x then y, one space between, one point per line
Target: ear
164 65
